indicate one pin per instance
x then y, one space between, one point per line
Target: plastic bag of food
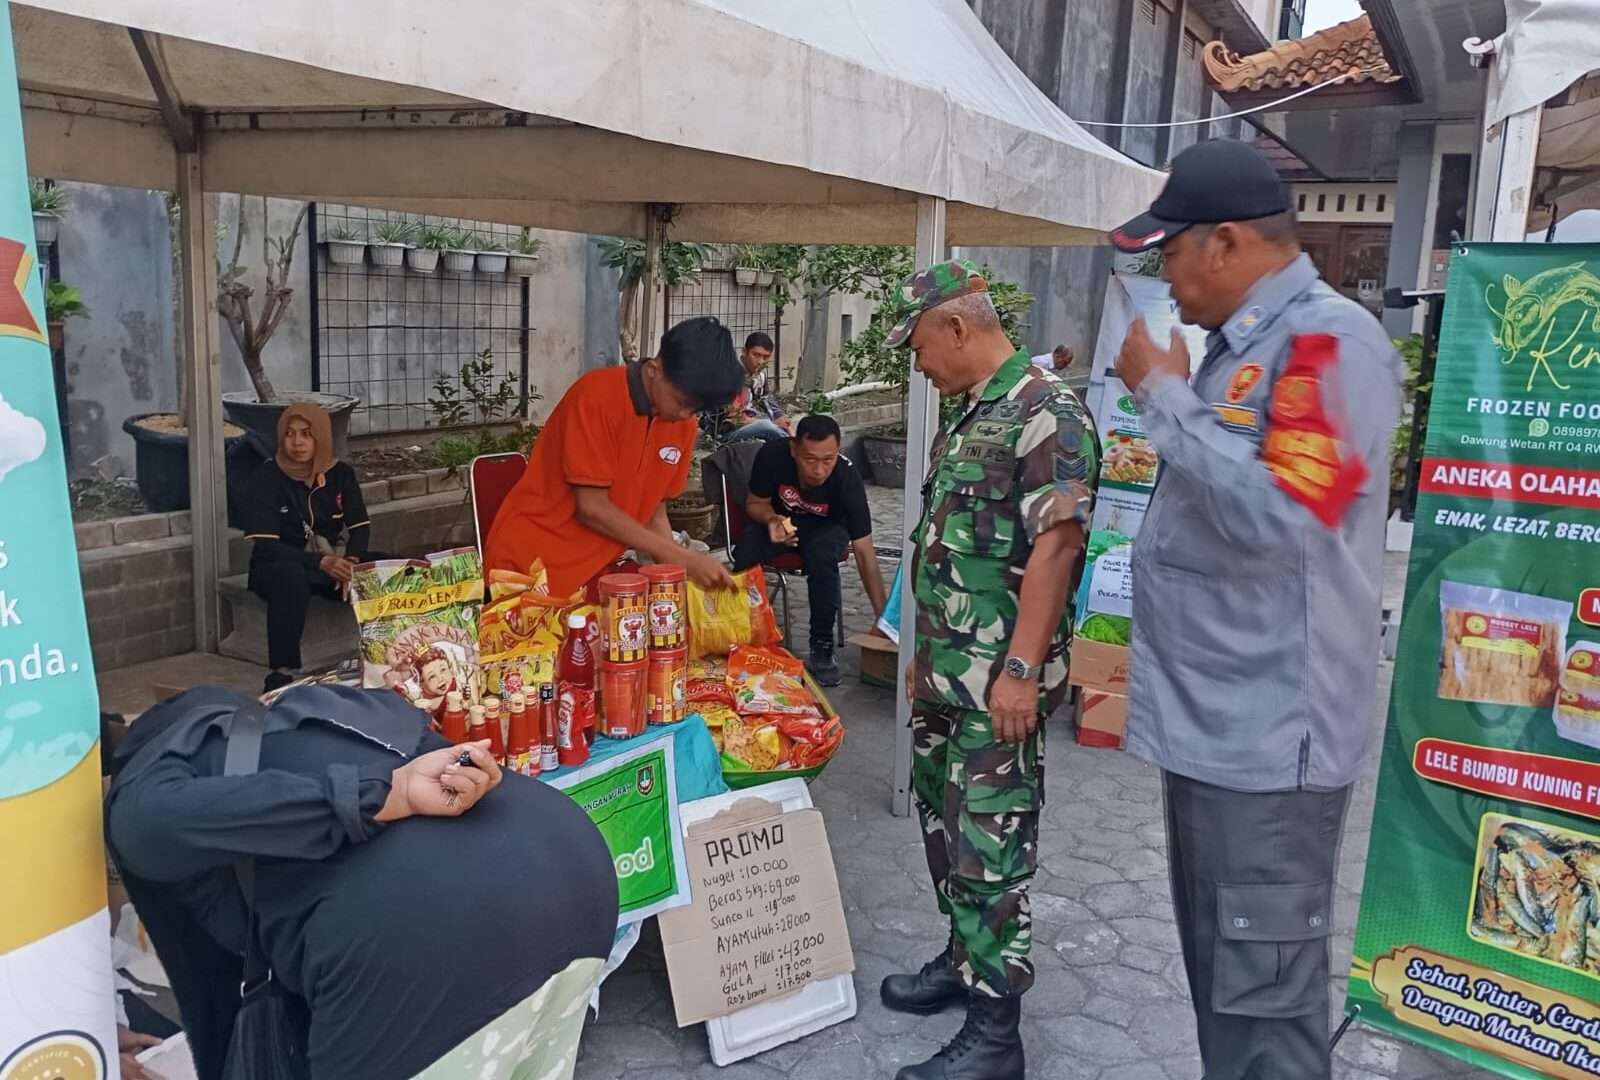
1578 703
418 622
767 681
722 618
809 742
1501 647
750 746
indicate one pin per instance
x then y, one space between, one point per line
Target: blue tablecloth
697 765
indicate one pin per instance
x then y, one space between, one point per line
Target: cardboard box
766 919
879 656
1098 666
1102 719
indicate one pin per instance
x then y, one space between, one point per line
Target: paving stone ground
1110 1002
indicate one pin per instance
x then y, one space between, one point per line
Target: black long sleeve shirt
402 940
281 515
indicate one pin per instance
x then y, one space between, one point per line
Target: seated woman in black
301 505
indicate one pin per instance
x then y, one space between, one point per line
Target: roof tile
1349 48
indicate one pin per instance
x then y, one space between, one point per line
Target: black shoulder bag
268 1039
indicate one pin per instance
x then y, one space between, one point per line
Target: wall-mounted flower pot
459 262
57 334
346 252
743 275
46 227
522 265
389 255
764 278
492 262
423 260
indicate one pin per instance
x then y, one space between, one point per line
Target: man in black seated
806 496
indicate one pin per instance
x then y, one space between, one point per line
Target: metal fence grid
384 335
743 309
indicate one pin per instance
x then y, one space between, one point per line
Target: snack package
418 622
1578 702
810 741
1501 647
722 618
752 746
767 681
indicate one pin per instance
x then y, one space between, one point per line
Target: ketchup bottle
477 726
453 722
575 666
496 732
522 749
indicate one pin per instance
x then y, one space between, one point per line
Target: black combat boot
933 989
988 1046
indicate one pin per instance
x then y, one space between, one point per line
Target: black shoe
988 1046
933 989
277 680
824 668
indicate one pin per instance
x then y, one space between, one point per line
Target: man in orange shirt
616 447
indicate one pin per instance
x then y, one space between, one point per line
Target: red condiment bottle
549 751
496 733
453 721
522 756
477 726
575 666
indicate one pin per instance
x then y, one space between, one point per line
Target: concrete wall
1415 147
114 246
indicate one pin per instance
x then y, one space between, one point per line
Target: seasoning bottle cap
452 700
477 714
517 702
491 704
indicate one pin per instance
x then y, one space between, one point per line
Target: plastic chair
780 569
491 478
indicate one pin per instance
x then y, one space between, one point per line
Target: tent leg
203 402
1505 169
922 417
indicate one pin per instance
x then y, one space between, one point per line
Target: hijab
313 472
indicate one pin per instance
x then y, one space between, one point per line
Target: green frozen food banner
1479 928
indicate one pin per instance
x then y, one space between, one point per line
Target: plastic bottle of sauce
549 751
496 733
521 754
453 721
575 666
477 724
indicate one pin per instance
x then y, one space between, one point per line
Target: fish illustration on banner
56 1016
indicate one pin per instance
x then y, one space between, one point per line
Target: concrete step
330 636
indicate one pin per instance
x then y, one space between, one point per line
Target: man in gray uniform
1257 578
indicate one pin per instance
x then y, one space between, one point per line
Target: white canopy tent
862 121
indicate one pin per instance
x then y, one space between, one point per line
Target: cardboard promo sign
765 920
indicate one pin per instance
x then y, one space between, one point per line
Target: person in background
755 413
308 521
1007 506
806 496
1057 360
415 922
1258 576
615 449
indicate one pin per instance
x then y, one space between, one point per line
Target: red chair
780 568
491 478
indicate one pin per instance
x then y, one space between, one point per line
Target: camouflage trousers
978 800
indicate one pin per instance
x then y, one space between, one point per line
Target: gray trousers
1252 889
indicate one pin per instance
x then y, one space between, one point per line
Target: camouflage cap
927 289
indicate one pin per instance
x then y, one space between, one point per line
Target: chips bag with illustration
719 619
767 681
418 621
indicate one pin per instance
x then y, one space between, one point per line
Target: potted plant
161 458
61 302
49 203
431 240
253 327
525 253
492 256
746 265
390 242
459 254
345 245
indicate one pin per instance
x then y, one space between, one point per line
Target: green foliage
459 240
819 403
396 231
680 261
1410 349
47 199
62 301
435 237
488 242
527 243
345 233
477 396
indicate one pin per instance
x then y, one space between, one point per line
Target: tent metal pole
1506 153
203 404
922 418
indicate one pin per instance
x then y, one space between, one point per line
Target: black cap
1211 182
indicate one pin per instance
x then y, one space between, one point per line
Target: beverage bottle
496 732
453 721
522 755
549 751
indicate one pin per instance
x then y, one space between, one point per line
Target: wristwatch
1020 669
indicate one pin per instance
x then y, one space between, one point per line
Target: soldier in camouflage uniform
1009 491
